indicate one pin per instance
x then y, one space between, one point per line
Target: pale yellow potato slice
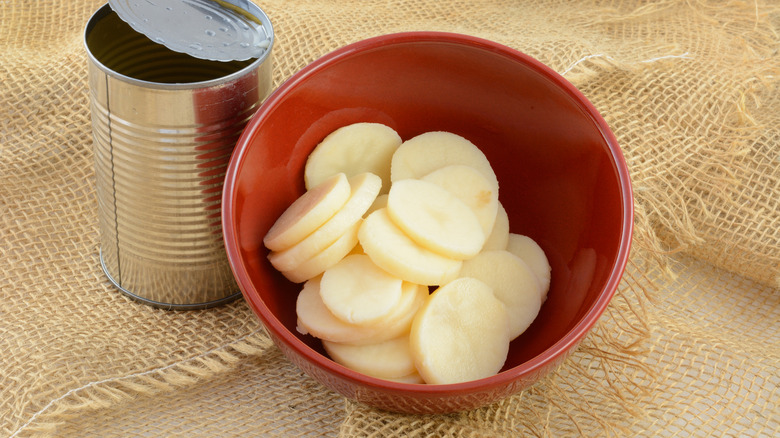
512 282
365 188
411 378
427 152
499 236
308 212
357 291
400 320
379 202
471 187
326 258
392 250
435 218
315 319
386 360
353 149
460 334
533 255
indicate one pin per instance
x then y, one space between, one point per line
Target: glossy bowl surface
563 182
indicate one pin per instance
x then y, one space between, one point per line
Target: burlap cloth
690 346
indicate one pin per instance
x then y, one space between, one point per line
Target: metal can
164 126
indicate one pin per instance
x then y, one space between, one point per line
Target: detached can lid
217 30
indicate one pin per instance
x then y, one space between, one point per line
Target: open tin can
172 83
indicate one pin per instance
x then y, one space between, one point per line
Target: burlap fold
690 345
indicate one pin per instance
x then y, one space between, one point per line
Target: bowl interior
562 178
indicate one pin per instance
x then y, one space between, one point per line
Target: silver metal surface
164 126
224 30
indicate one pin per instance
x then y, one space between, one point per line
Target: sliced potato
435 218
326 258
400 320
353 149
384 219
411 378
460 334
499 236
315 319
308 212
388 359
427 152
357 291
512 282
396 253
365 188
379 202
533 255
471 187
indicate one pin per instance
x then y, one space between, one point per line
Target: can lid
217 30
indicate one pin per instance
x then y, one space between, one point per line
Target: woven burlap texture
689 346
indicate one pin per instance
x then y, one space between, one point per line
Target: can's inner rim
125 54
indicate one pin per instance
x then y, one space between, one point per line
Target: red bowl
563 182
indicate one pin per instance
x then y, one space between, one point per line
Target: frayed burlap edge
111 391
670 222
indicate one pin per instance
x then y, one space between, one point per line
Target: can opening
115 45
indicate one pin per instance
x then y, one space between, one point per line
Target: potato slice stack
381 222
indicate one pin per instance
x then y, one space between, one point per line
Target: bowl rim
556 351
